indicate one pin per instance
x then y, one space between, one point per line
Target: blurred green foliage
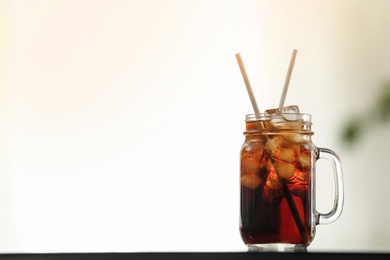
379 114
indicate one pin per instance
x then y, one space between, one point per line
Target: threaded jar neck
278 124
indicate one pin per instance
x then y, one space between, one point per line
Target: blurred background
121 121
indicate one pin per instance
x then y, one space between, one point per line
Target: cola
276 180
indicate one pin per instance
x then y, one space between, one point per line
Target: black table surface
198 256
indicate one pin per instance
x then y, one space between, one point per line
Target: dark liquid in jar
276 202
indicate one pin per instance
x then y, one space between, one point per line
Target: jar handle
335 213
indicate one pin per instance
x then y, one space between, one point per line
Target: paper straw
247 84
288 76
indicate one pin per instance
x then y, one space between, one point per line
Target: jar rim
306 118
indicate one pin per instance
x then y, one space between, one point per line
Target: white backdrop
121 121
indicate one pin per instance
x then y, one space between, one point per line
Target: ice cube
292 117
272 145
250 181
288 109
289 112
250 166
284 169
287 155
289 143
297 138
305 159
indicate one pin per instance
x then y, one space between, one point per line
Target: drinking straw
286 190
247 84
288 76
